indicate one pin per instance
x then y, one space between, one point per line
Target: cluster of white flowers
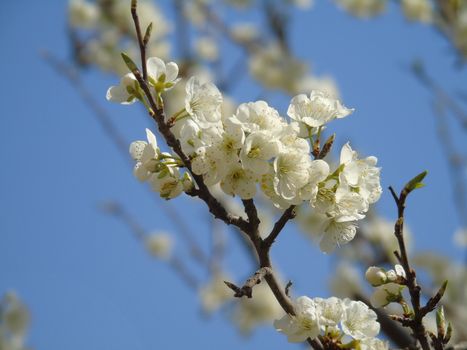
255 145
14 321
389 284
343 199
342 319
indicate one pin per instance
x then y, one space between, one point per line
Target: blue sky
88 283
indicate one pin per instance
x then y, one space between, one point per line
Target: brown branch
141 42
287 288
416 323
288 214
247 288
252 213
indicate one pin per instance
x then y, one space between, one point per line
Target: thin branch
288 214
252 213
139 35
416 323
247 288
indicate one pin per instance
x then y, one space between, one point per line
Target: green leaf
147 35
416 182
129 63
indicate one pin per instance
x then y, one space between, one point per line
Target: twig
247 288
416 323
252 213
141 41
288 214
287 288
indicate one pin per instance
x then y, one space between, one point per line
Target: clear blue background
87 281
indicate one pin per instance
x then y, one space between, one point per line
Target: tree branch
416 323
247 288
288 214
141 42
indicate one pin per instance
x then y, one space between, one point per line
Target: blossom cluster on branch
255 146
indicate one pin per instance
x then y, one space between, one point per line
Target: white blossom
239 181
225 149
359 321
361 175
336 233
207 164
125 93
167 183
258 149
291 173
257 116
305 324
331 312
316 110
203 102
162 76
146 155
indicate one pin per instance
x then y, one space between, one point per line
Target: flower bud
376 276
